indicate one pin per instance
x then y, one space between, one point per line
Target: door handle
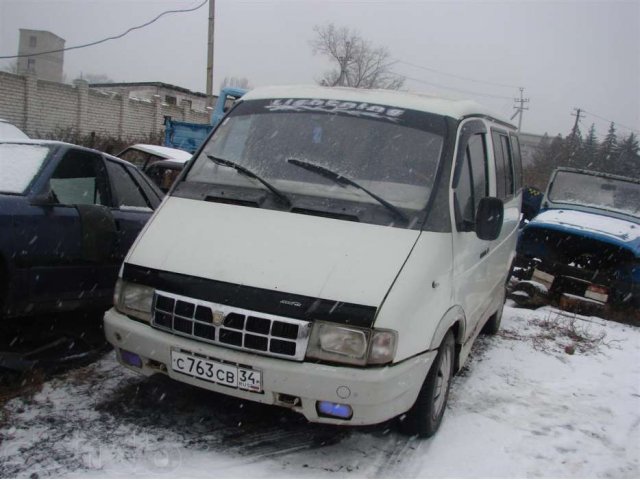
484 252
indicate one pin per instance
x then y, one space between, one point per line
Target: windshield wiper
341 179
245 171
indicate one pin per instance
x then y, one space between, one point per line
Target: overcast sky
565 54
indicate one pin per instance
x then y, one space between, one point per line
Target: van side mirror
489 218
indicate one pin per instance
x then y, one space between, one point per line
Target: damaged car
582 251
68 216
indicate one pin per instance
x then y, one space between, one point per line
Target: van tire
493 324
425 416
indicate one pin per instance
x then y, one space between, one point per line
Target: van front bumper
374 394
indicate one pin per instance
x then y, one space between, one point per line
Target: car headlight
352 345
133 299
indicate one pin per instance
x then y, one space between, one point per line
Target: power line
468 92
457 76
108 38
611 121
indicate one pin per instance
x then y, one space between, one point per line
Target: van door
473 275
506 154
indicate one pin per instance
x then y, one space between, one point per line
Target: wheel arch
454 319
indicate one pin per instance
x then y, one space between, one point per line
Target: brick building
41 108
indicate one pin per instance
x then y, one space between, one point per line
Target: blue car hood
623 233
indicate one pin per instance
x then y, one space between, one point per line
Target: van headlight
133 299
352 345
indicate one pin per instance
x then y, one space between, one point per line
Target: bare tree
357 62
237 82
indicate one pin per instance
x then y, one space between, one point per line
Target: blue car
583 247
68 216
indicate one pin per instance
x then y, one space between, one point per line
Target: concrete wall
41 108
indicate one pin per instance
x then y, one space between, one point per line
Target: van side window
504 165
472 182
517 163
464 196
476 152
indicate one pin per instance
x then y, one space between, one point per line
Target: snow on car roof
30 141
164 152
457 109
19 164
10 131
57 143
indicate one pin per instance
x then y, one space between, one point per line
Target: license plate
217 372
543 277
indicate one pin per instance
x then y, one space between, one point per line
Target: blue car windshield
19 164
590 190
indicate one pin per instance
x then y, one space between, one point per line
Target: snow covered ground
523 407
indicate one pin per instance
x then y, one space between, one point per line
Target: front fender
420 296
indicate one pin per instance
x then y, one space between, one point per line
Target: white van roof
457 109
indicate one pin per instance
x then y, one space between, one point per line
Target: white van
330 250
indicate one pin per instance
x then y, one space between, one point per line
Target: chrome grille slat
282 340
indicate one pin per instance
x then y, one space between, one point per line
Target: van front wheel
493 324
425 416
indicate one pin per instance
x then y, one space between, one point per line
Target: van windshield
392 153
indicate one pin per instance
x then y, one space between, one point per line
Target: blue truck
189 136
582 250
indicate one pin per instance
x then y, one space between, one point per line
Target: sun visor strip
250 298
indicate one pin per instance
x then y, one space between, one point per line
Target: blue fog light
335 410
131 358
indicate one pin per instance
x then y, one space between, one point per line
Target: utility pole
574 130
520 108
212 11
573 137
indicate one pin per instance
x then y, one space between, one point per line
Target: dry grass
24 385
560 333
104 143
567 332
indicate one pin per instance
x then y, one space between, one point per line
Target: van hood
286 252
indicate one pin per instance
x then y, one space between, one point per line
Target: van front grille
230 326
